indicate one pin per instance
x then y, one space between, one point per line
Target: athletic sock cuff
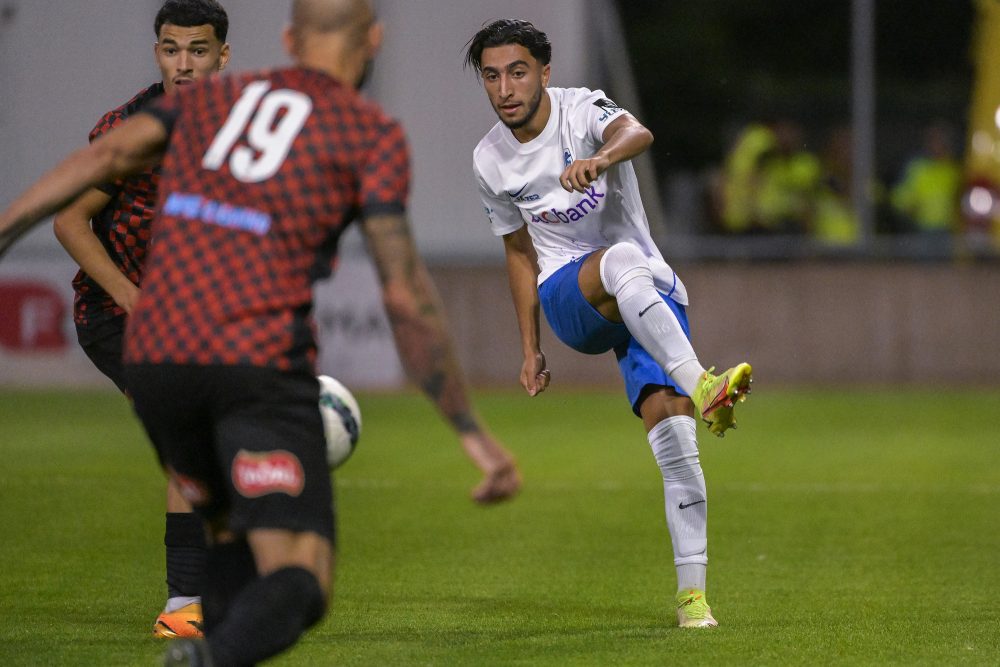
184 529
663 426
695 559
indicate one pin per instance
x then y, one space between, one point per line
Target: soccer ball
341 420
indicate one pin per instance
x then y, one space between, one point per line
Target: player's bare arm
624 138
72 228
415 314
134 146
425 347
522 274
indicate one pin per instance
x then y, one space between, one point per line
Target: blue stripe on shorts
578 324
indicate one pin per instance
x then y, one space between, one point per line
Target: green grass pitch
852 527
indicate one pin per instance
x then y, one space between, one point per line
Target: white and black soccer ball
341 420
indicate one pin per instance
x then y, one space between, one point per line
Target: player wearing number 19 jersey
264 172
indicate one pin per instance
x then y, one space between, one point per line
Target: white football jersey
519 184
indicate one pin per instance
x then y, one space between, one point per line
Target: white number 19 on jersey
269 141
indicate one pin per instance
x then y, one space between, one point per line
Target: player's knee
622 263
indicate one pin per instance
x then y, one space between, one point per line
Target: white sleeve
597 112
504 216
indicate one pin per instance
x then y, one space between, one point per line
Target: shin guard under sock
184 539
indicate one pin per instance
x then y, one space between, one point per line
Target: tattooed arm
419 327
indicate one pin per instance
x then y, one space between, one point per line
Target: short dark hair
508 31
191 13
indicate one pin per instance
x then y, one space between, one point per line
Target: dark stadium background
711 65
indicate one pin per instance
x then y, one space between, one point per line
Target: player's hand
128 298
535 377
582 173
501 479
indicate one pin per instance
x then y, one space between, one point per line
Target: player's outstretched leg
716 396
693 610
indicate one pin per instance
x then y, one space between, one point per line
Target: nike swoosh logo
719 400
684 507
643 311
514 194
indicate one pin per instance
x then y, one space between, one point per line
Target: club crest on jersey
587 204
567 157
257 474
609 107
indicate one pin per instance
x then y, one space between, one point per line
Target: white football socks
675 447
173 604
626 275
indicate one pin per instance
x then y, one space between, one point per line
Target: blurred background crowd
773 182
754 107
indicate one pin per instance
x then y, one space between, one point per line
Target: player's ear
376 32
290 41
224 54
546 72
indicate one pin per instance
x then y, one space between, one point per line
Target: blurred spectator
735 189
769 182
834 221
927 195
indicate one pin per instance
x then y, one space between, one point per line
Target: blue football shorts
578 324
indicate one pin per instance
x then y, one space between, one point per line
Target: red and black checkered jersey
123 228
263 172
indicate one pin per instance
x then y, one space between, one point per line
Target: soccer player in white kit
557 184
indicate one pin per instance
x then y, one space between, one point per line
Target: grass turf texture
845 528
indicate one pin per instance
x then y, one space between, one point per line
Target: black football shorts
244 444
105 351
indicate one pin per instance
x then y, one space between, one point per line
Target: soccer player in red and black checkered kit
107 231
263 172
